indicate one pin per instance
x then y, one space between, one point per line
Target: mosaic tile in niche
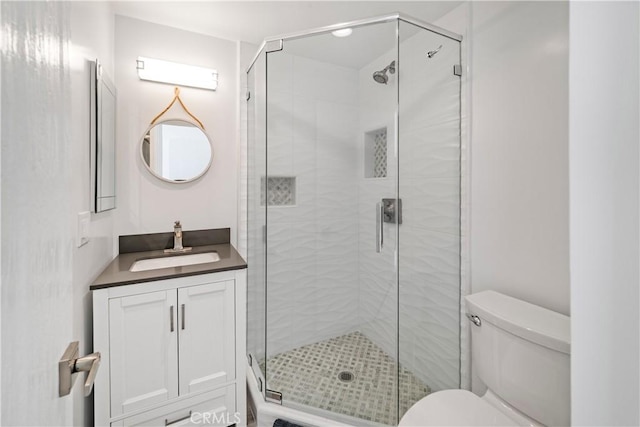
380 153
281 191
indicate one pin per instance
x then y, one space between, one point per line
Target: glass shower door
256 220
331 191
429 186
354 195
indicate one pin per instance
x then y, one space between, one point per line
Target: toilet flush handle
474 319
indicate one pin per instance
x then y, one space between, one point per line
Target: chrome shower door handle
379 226
378 220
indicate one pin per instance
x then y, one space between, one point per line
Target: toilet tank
521 352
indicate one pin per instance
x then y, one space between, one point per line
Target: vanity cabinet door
143 335
207 336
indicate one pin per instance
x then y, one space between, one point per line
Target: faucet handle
177 223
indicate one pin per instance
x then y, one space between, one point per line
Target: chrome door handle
171 317
379 225
70 363
89 363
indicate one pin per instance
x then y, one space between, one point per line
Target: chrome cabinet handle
183 309
171 317
168 423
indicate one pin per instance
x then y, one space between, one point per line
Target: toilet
520 351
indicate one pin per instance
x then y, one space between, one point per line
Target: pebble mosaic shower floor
309 375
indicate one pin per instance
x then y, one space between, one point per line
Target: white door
143 334
207 337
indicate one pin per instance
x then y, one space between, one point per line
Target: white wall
605 173
1 232
92 36
246 51
45 175
515 139
146 204
519 165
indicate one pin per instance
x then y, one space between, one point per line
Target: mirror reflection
103 140
176 150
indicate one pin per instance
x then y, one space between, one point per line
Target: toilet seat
454 408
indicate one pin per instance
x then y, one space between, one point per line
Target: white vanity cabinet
171 351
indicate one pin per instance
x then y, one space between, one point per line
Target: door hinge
457 69
273 396
274 46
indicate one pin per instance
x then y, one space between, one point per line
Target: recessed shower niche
280 191
335 284
375 153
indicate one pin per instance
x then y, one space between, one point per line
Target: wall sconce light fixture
175 73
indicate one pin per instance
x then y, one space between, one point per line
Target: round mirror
176 150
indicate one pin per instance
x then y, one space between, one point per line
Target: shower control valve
392 208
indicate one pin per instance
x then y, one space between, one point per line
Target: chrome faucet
177 239
177 236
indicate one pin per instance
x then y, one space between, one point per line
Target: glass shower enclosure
353 224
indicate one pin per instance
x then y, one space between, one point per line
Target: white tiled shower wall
313 287
376 271
429 182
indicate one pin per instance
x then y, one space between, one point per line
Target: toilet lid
454 408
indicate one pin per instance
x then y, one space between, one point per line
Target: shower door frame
274 44
352 24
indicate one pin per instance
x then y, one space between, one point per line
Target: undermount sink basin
174 261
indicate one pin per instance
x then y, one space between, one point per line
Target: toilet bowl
521 352
463 408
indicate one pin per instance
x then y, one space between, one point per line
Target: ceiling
253 21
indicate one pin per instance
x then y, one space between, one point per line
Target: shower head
381 76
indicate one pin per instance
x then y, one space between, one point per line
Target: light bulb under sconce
345 32
174 73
